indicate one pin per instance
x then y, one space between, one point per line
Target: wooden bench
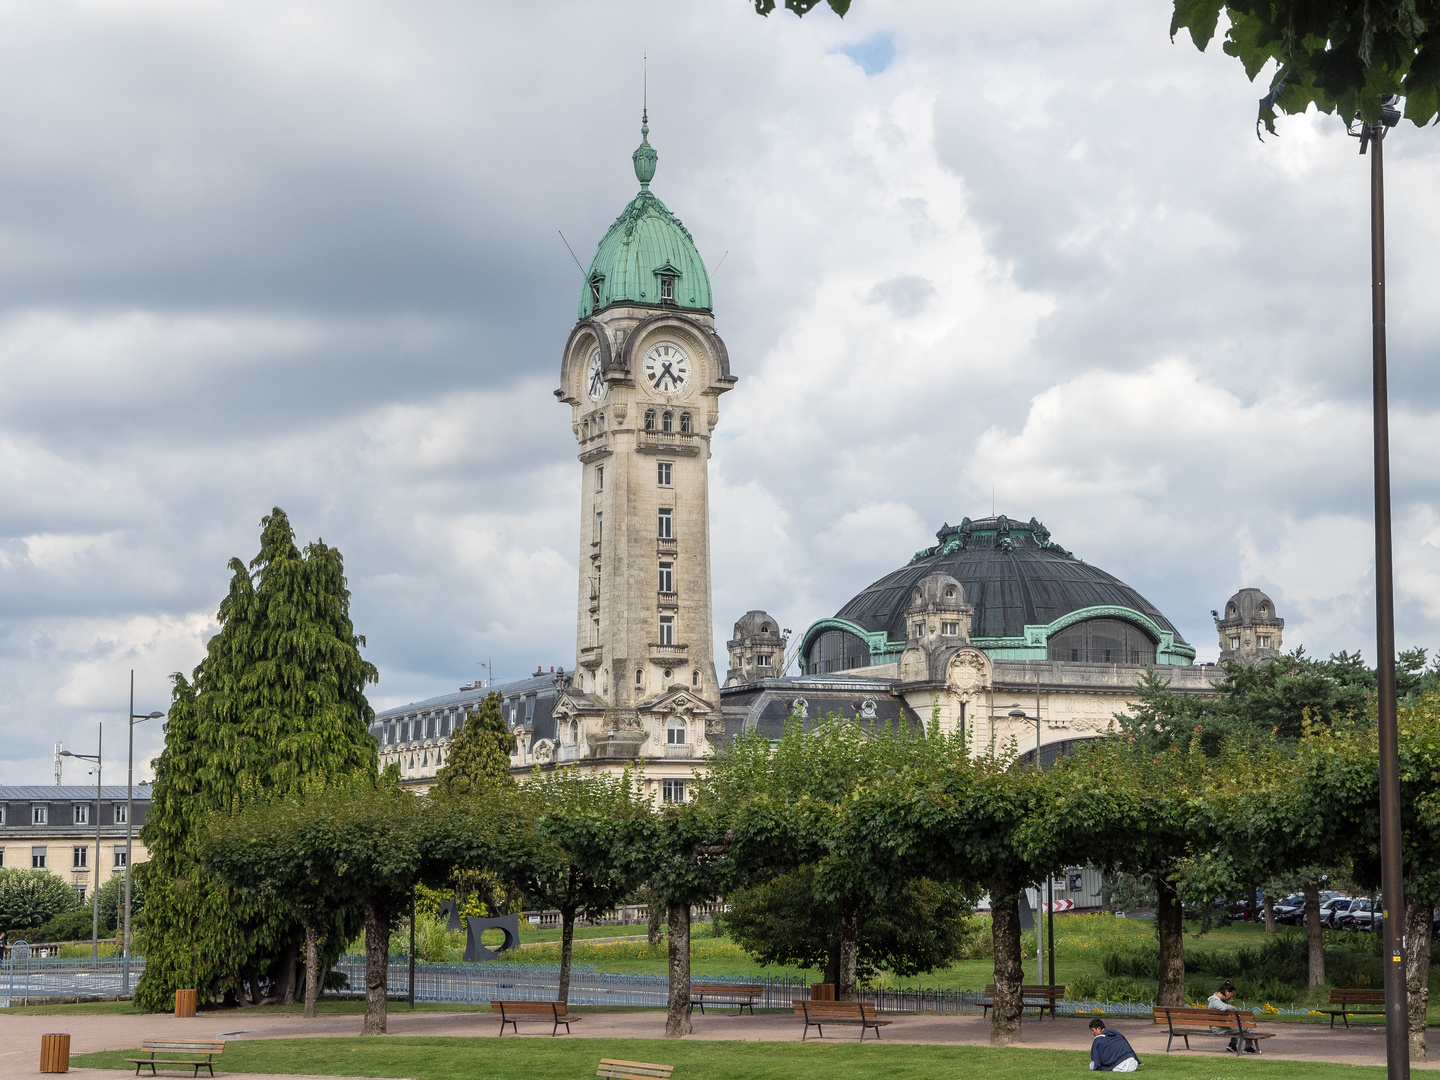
744 995
633 1070
1036 996
515 1013
1185 1021
819 1013
1348 998
203 1054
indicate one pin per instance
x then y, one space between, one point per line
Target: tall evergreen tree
480 752
276 706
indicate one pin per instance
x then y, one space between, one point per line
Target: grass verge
566 1059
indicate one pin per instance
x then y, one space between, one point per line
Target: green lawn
572 1058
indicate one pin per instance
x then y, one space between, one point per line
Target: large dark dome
1015 577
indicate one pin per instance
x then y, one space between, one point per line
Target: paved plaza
20 1034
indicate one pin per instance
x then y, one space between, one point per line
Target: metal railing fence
24 978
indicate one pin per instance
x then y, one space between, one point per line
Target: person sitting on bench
1220 1000
1110 1051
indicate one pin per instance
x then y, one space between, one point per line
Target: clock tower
642 372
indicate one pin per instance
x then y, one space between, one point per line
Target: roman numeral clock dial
595 377
667 368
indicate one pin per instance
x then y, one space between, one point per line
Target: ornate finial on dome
645 155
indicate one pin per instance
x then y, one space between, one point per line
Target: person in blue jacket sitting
1110 1051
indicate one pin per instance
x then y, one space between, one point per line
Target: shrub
1141 963
71 926
1082 987
31 898
1122 990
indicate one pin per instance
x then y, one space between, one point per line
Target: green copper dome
648 257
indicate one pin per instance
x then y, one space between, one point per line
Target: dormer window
649 419
667 288
595 283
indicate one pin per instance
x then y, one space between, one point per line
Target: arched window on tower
667 422
684 423
649 419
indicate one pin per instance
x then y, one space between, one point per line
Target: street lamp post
95 895
130 817
1017 713
1392 873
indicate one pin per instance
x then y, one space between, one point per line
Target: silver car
1333 910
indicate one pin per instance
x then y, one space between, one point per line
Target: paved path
20 1034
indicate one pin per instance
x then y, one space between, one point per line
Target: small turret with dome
1250 630
648 258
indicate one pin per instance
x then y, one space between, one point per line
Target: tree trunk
255 996
377 969
653 918
846 976
832 962
1417 972
1270 915
312 969
1252 908
288 959
1009 970
1314 934
567 942
677 1018
1170 926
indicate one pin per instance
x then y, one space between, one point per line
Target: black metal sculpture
475 952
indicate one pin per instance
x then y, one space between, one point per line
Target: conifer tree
276 706
480 752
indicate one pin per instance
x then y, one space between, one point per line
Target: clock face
595 377
667 368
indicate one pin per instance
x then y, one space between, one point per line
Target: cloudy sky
306 255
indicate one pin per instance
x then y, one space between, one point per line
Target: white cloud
306 256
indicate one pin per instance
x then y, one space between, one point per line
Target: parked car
1291 910
1333 910
1363 914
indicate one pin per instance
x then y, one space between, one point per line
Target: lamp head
154 716
1018 712
66 753
1389 114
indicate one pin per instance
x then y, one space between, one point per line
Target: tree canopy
479 753
276 706
1342 56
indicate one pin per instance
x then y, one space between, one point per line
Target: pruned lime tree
287 850
576 841
808 891
276 706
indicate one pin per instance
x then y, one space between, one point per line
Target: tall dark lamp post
94 896
1392 870
130 817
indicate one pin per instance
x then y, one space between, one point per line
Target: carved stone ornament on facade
544 751
968 670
